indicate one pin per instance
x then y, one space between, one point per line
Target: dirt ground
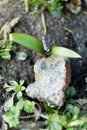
56 34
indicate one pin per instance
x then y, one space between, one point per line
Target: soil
57 34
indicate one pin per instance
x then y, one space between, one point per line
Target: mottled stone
52 76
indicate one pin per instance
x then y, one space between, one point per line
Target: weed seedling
13 109
38 46
67 119
54 119
5 45
54 6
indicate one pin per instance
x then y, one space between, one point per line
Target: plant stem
26 117
26 6
44 23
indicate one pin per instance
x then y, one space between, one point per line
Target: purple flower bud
45 45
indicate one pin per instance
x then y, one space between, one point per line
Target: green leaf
62 51
55 126
6 55
8 88
9 103
19 95
20 104
52 122
70 128
70 91
11 116
81 101
29 106
49 107
21 56
13 83
68 116
75 10
69 107
85 126
75 110
21 82
17 87
8 45
27 41
62 120
80 122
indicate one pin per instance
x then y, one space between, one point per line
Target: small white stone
52 76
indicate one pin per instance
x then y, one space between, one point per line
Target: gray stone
52 76
3 125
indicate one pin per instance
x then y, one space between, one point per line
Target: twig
67 29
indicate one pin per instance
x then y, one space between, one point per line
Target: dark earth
57 34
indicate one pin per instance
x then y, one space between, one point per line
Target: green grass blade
27 41
62 51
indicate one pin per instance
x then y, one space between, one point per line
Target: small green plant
13 109
5 45
39 46
67 119
54 6
39 6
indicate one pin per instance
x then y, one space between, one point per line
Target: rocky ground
57 34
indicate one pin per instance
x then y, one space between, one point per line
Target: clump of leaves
6 45
39 46
13 109
67 119
54 119
39 6
54 6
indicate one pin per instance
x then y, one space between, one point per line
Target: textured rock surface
52 76
3 126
